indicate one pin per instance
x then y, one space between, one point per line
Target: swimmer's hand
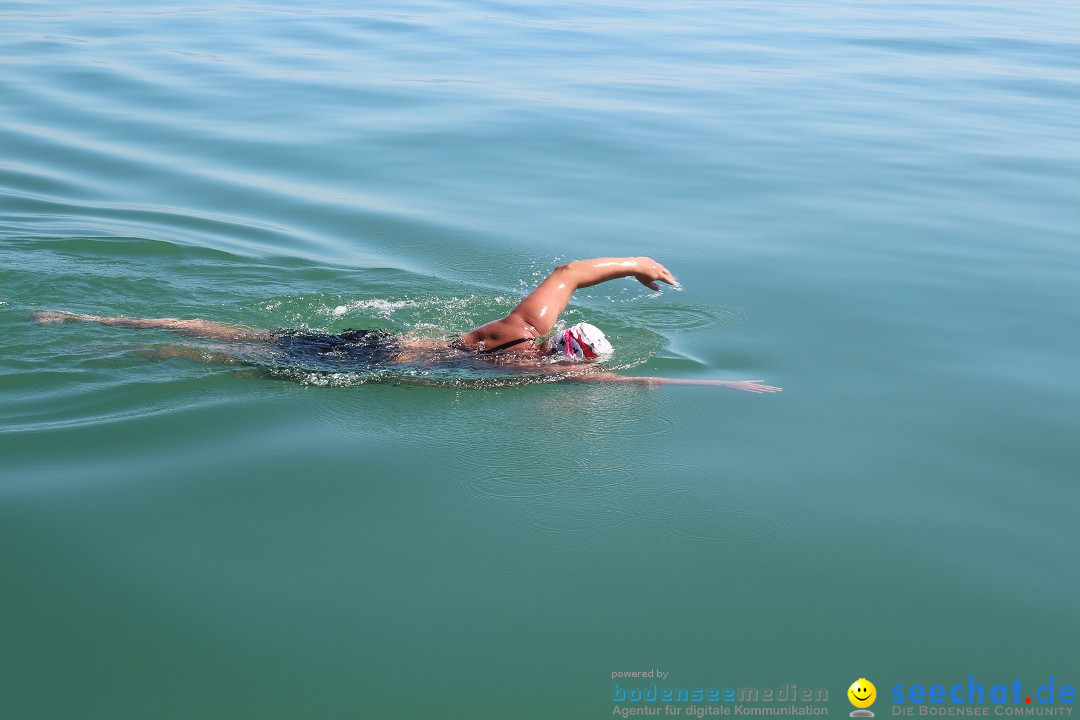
753 386
48 317
648 271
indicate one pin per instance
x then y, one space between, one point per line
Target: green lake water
874 205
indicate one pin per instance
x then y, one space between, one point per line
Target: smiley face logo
862 693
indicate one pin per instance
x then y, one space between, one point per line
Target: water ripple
530 560
793 557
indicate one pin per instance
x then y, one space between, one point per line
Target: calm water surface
872 204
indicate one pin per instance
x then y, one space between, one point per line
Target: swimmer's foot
48 317
195 328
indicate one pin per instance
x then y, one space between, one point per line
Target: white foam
386 308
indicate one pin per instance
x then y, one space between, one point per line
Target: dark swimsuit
505 345
356 348
351 349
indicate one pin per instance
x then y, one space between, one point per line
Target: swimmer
525 338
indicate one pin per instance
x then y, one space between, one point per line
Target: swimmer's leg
195 328
211 354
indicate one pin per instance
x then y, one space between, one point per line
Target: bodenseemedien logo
862 695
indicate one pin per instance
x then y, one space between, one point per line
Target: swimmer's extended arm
536 314
753 386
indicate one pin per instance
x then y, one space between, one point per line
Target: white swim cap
580 342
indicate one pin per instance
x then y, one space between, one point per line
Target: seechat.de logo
862 695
